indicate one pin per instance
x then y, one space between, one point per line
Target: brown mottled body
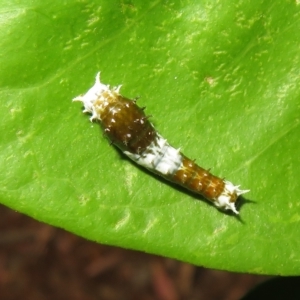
198 180
126 125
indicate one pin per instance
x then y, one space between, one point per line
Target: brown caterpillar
127 127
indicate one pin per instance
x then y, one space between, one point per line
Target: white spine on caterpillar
96 98
223 200
158 156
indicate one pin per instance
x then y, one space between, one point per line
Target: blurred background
39 262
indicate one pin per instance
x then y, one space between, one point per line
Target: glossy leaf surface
221 80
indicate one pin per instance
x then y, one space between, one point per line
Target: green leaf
221 79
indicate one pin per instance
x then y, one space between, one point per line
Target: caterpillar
127 127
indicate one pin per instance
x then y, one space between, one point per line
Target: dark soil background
40 262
